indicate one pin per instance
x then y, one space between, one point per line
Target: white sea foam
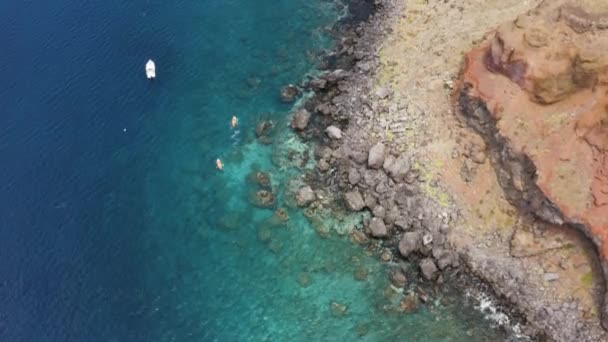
493 313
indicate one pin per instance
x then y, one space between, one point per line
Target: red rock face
537 89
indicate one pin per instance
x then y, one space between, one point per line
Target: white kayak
150 69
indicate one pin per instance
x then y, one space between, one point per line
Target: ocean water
115 224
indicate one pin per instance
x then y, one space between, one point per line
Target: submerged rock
263 128
428 268
410 303
281 215
338 309
275 246
304 279
305 196
264 234
262 179
362 329
359 237
398 278
289 93
361 273
263 199
386 255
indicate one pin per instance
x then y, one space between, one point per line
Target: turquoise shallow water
116 226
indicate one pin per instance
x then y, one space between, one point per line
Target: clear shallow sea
114 223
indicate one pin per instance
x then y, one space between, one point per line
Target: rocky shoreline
412 215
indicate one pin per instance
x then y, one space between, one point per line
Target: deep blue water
114 223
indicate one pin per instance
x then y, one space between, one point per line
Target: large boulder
354 200
377 227
375 157
535 89
300 119
409 243
334 132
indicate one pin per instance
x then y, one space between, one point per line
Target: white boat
150 69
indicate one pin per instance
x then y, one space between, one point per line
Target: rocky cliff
537 90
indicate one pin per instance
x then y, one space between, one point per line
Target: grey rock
382 188
371 178
370 201
409 243
399 169
323 165
354 200
334 132
336 76
403 195
427 239
428 268
444 261
377 227
364 66
411 177
392 215
383 92
379 211
402 224
360 157
444 258
438 252
323 152
551 276
305 196
318 84
375 158
324 108
354 176
388 162
300 119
